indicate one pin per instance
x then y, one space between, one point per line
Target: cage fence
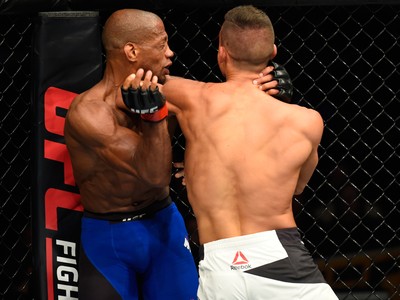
343 61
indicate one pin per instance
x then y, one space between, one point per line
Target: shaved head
248 36
129 25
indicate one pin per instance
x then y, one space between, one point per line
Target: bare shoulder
181 86
89 117
309 114
180 92
176 80
309 121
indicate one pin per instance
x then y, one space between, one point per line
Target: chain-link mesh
343 62
15 184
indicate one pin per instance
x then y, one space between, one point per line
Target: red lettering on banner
53 98
57 198
59 152
66 275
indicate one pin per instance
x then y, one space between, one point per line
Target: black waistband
131 215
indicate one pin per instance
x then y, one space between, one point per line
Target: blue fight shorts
142 255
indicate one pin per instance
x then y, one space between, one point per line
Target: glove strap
158 116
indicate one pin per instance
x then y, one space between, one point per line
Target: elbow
298 190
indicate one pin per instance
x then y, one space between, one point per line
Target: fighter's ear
222 53
222 57
131 51
274 52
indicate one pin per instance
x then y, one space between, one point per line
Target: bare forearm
153 155
306 173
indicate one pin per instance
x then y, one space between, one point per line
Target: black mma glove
285 85
151 105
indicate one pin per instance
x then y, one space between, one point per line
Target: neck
241 73
116 73
241 76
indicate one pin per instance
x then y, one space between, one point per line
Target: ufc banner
67 60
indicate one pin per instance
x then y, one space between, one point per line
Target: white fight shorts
266 265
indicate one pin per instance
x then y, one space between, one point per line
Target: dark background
343 57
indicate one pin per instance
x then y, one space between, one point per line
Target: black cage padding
66 57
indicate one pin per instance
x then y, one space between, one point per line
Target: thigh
102 275
260 288
93 284
171 281
172 273
220 285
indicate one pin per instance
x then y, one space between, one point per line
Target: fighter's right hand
285 85
275 80
143 96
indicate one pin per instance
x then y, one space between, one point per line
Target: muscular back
246 155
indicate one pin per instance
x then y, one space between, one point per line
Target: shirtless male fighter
134 243
246 155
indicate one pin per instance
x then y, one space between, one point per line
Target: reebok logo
240 259
240 262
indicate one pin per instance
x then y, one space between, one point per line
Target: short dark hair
248 35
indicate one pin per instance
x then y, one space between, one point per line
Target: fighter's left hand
140 93
275 81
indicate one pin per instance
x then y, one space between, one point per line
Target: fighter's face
156 55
